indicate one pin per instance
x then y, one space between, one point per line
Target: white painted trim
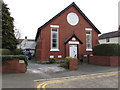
51 56
59 56
54 50
70 42
89 50
88 29
54 26
57 27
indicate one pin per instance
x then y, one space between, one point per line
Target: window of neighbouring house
88 39
107 39
54 38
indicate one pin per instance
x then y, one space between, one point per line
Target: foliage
67 61
1 23
64 65
17 52
52 60
107 50
11 57
11 52
8 38
60 61
4 52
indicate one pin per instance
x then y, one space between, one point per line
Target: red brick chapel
69 33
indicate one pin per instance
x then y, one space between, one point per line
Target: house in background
69 33
27 44
111 37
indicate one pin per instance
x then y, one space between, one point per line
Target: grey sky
31 14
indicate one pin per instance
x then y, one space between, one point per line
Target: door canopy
74 37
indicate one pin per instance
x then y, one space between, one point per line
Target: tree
1 24
8 38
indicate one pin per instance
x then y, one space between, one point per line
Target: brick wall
14 66
73 65
105 60
65 31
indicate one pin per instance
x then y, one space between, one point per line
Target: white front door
73 51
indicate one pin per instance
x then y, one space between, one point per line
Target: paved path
26 80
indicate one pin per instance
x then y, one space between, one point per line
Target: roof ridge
110 34
72 4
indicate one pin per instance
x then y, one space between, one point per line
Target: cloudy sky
31 14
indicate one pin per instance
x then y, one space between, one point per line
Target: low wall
105 60
14 66
73 65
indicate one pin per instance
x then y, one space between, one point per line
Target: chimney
25 37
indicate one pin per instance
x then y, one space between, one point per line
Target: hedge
106 50
17 52
5 52
13 52
11 57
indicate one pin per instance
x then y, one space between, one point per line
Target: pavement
48 72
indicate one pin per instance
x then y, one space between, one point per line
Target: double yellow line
44 84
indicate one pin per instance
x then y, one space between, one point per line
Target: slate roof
110 35
20 40
73 4
29 43
69 38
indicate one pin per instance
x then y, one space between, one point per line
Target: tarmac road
12 80
105 80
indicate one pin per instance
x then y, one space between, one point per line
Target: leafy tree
0 24
8 38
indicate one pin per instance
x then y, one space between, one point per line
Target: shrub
64 65
17 52
52 60
107 50
67 61
60 61
11 57
4 52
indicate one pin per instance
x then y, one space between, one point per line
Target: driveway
47 71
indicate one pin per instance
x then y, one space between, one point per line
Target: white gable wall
27 44
112 40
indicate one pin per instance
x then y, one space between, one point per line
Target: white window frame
56 27
90 30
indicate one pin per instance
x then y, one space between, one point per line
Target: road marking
83 77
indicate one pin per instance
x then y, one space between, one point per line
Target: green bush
64 65
107 50
17 52
67 61
11 57
60 61
13 52
5 52
52 60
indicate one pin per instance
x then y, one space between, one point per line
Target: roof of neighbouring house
110 35
29 43
73 4
20 40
